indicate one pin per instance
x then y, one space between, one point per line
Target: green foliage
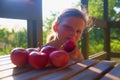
47 26
10 40
115 47
44 36
95 8
96 40
5 33
115 39
21 39
49 21
113 14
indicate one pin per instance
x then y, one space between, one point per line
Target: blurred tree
95 9
10 40
114 10
47 23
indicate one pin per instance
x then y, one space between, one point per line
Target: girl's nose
73 33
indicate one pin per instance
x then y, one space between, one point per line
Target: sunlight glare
56 5
16 24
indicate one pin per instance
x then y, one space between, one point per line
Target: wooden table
76 70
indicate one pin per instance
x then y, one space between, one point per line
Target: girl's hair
70 12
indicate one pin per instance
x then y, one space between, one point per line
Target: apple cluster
40 58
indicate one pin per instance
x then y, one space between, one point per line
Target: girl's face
70 28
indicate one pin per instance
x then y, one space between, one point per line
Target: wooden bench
76 69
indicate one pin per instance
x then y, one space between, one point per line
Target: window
13 33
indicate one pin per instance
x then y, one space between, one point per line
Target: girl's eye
78 31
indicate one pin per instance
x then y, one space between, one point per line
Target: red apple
19 56
59 58
69 45
38 60
48 49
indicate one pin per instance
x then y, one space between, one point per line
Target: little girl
68 25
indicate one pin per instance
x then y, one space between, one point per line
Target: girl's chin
68 38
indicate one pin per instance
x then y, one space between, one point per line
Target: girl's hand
76 53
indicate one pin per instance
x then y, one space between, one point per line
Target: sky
13 24
48 6
56 5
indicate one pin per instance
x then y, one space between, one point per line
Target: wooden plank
114 24
84 39
84 65
7 66
97 22
72 62
26 73
14 71
76 69
5 63
114 74
85 44
99 56
31 33
105 24
39 33
95 72
4 60
34 33
69 70
21 9
34 73
4 56
115 54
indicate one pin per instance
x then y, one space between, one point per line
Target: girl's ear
55 27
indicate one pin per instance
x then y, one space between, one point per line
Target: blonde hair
50 37
70 12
